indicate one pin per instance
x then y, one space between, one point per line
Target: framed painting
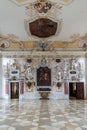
43 76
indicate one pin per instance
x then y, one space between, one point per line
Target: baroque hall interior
43 63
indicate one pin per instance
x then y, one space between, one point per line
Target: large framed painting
43 76
43 27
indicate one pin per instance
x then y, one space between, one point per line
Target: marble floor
43 114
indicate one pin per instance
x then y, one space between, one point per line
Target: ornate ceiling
70 17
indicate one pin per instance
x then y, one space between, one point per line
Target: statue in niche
65 75
30 79
79 66
73 64
29 75
59 76
43 62
15 65
12 64
80 72
58 73
54 86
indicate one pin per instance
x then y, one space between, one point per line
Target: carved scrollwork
4 43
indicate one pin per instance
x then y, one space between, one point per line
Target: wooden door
80 90
14 90
72 90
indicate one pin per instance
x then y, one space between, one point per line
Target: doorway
72 90
14 90
76 90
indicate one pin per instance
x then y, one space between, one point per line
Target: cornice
49 54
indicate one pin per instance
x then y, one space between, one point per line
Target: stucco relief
62 69
25 2
39 12
4 43
42 8
7 40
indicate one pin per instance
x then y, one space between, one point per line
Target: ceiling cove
25 2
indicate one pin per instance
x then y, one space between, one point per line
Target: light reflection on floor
43 114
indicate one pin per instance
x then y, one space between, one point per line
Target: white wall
1 77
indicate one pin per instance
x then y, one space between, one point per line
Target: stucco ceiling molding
83 43
4 43
25 2
41 8
44 9
20 2
81 40
66 2
49 54
6 40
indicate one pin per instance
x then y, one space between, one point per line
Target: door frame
10 87
79 90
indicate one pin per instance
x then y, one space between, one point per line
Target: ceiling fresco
43 27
